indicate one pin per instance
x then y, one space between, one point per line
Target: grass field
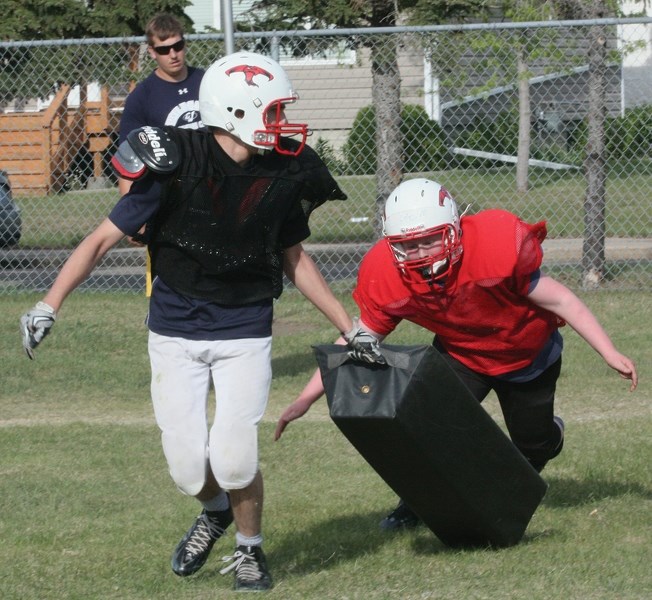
88 511
62 220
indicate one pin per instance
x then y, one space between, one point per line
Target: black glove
35 324
364 346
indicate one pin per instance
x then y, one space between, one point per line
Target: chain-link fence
552 121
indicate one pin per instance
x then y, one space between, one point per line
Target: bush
360 147
424 142
497 134
424 145
327 153
628 137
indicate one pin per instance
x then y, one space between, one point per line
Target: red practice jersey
481 315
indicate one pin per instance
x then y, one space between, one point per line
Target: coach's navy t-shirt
157 102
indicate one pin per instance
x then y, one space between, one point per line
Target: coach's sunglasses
165 50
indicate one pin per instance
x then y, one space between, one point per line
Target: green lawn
89 512
62 220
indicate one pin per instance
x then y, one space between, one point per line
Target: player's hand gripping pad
418 426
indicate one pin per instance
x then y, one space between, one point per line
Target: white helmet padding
420 208
240 92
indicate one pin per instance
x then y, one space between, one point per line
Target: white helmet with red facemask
419 209
244 93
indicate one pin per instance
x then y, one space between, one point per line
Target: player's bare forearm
81 262
558 299
309 395
304 274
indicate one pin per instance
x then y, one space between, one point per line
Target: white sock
243 540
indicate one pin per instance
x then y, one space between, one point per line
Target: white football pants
181 370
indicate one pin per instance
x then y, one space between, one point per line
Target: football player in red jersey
476 282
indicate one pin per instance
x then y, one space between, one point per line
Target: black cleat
192 551
559 423
401 517
251 574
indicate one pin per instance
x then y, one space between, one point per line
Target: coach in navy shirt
170 94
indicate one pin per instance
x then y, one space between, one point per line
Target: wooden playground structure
38 148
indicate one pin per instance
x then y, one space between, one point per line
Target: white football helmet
417 209
244 93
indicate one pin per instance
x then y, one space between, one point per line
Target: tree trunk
386 96
523 154
593 250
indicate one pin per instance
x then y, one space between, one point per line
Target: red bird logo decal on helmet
443 194
250 72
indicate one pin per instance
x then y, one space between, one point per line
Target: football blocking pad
430 440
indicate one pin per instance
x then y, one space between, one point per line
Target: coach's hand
35 324
364 346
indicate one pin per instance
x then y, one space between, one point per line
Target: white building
207 14
636 42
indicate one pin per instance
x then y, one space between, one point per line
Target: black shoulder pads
146 148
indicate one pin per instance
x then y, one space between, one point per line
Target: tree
279 15
43 19
71 20
124 18
74 19
128 18
521 47
386 86
525 10
386 97
595 163
508 55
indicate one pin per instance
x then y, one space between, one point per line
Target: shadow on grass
341 539
578 492
344 539
348 537
427 543
295 364
331 542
